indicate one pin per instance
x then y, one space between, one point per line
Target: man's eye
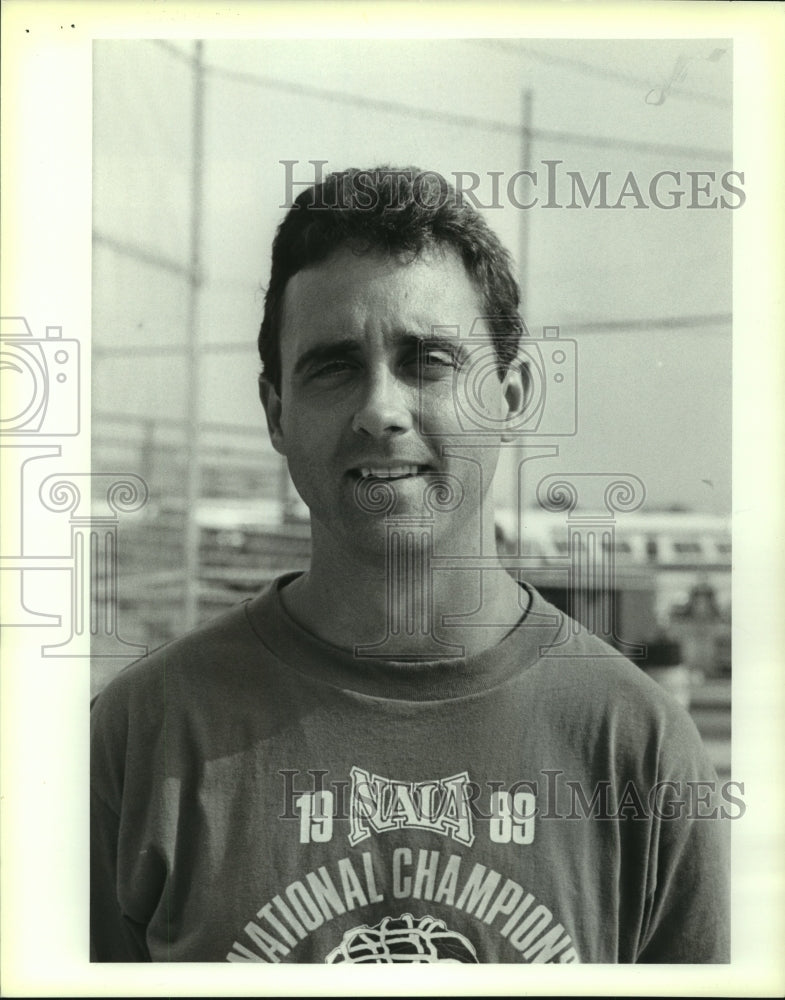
439 359
336 367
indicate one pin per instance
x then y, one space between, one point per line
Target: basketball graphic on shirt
403 939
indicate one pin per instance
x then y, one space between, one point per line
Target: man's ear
271 402
515 386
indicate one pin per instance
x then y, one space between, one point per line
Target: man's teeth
397 473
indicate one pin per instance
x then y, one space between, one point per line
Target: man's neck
405 607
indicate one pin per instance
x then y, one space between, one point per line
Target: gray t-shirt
259 795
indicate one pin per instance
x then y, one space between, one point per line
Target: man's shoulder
182 695
584 672
183 664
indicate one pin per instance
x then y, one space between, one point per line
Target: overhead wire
476 122
151 258
600 72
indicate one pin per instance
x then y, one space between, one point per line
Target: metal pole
513 486
193 477
526 160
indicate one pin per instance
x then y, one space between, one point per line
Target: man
390 757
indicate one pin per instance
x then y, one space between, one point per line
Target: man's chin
411 529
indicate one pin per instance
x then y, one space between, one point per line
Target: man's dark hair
403 212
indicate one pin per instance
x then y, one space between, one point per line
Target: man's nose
385 407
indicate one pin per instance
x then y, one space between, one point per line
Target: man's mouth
391 472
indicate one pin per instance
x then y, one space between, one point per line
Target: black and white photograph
390 477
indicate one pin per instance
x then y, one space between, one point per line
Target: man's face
369 387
